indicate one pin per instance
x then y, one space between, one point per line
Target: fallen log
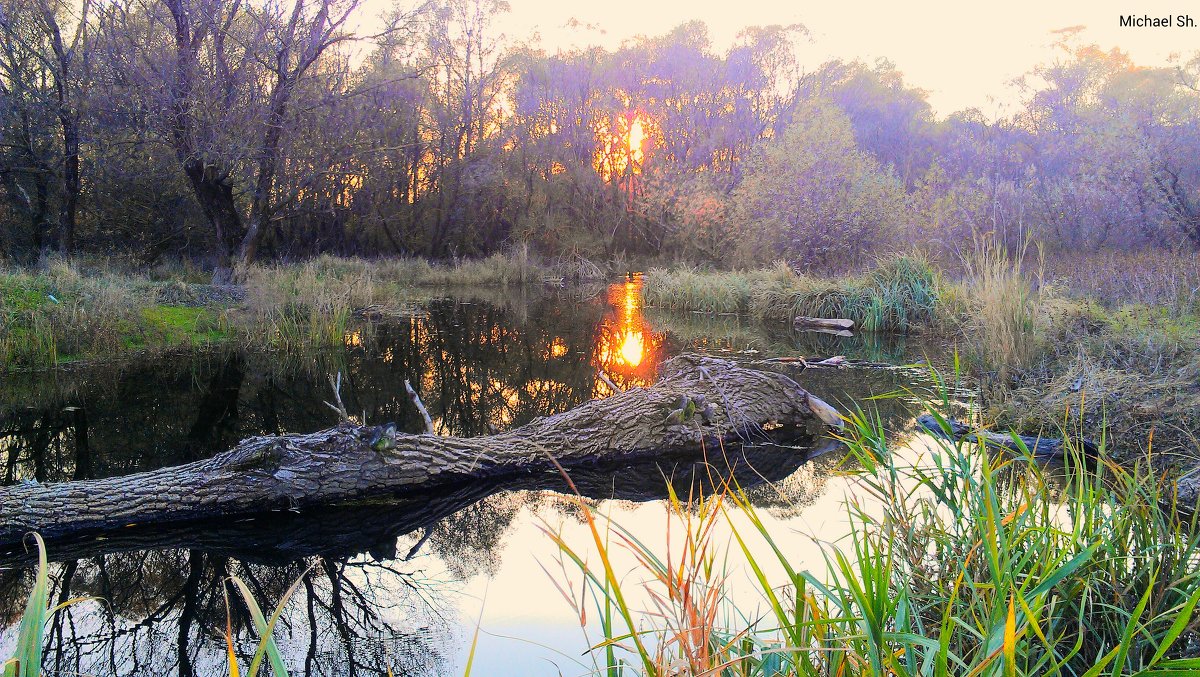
1040 447
350 462
373 525
804 322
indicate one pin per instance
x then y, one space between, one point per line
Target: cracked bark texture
338 464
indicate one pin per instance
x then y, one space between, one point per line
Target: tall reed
899 294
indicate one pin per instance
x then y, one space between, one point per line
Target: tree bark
340 464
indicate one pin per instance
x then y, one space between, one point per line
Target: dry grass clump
309 305
693 289
1158 278
1004 320
513 268
900 293
1088 398
1132 371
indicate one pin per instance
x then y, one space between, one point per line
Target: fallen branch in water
608 381
804 322
1041 447
340 408
416 400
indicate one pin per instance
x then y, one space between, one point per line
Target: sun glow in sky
963 53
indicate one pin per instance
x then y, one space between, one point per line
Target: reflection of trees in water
477 366
165 614
721 333
470 542
154 415
790 496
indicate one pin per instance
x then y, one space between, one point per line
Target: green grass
26 660
960 562
23 294
183 325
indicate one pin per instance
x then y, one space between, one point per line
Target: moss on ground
22 294
182 325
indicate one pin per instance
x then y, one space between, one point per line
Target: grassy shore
1107 338
1072 346
899 294
66 311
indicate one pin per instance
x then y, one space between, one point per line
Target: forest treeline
226 131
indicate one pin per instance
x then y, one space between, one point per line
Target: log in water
697 403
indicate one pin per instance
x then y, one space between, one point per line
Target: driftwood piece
1040 447
349 462
608 381
804 322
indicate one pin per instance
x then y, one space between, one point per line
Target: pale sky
963 53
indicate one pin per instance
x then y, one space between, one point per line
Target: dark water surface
399 583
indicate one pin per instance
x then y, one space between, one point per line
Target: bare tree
42 68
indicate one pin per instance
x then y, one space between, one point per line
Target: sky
964 54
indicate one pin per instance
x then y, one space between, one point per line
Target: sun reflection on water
627 348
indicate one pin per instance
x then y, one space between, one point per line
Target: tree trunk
268 165
698 404
71 184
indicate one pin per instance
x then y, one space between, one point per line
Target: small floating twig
416 400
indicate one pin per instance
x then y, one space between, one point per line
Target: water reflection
393 583
627 349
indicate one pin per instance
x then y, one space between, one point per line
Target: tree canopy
227 131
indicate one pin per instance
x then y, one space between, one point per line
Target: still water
403 583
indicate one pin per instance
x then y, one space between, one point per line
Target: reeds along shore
72 310
1105 341
958 562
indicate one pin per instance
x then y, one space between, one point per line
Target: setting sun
621 153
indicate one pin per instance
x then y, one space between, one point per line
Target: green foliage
27 658
267 648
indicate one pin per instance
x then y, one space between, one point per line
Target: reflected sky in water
398 583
